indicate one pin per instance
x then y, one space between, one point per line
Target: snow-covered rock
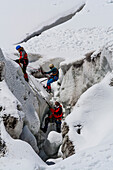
22 92
67 147
2 147
11 111
2 70
52 144
82 74
19 154
87 110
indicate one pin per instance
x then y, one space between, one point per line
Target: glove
17 61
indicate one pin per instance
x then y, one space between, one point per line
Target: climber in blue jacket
54 75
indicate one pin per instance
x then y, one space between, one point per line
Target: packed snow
89 30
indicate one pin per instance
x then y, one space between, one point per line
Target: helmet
17 47
51 66
57 103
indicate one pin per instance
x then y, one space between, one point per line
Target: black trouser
24 62
52 120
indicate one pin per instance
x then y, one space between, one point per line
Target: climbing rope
27 66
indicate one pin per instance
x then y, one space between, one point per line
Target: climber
22 60
54 115
54 75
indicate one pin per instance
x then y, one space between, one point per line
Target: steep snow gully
29 108
54 23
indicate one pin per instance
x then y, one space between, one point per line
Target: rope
27 66
43 80
34 68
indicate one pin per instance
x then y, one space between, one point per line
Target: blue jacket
54 72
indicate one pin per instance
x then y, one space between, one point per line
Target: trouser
25 63
52 120
51 80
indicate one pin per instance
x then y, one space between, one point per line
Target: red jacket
23 54
56 113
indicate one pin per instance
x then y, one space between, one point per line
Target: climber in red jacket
56 117
22 60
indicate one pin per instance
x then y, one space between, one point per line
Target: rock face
2 147
67 145
13 125
2 70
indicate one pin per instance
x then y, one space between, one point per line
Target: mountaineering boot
26 77
48 90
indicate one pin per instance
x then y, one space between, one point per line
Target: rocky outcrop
67 145
2 70
13 125
2 147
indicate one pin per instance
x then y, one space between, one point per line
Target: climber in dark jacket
22 60
56 117
54 75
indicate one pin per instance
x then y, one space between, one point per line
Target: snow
23 17
89 30
10 105
19 155
93 15
53 142
95 158
95 118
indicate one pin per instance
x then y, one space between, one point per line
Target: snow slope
87 31
94 111
18 20
19 155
